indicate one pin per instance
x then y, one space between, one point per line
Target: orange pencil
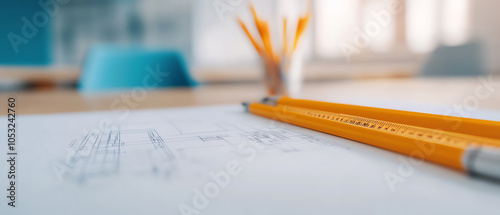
254 13
255 44
301 26
265 35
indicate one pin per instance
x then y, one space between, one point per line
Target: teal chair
463 60
111 67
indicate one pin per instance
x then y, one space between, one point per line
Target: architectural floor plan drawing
157 147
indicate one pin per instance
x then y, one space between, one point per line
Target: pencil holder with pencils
282 73
283 77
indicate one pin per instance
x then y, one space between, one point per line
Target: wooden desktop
432 91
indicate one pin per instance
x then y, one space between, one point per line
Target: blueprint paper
220 160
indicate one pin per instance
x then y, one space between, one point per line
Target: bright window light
334 24
422 25
455 21
376 11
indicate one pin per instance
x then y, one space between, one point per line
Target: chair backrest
463 60
109 67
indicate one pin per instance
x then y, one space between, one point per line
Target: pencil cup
283 76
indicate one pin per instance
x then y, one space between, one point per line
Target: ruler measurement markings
424 134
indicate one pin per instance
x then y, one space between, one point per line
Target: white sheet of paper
220 160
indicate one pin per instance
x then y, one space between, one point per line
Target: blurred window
156 23
388 28
340 31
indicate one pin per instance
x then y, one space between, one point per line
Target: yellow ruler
465 152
